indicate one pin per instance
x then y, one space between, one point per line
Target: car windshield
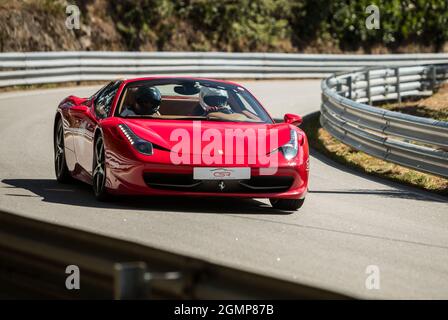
185 99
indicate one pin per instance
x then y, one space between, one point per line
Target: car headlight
138 143
291 148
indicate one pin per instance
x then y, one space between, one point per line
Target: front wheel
99 171
60 166
287 204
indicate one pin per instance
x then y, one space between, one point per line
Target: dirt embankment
39 25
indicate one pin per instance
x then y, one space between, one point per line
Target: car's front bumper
288 182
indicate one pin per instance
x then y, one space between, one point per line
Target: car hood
198 134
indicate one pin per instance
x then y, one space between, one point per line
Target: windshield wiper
219 119
232 120
208 118
190 118
138 116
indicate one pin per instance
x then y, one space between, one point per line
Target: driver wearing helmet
213 100
147 102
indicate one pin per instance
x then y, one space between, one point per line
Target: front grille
269 182
186 183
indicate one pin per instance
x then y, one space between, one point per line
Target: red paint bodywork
125 166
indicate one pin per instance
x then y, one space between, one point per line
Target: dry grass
322 141
435 106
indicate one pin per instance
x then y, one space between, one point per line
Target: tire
287 204
60 165
99 171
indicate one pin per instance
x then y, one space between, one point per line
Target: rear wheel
287 204
60 166
99 171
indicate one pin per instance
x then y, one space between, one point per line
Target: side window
103 101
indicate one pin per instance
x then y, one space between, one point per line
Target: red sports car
165 136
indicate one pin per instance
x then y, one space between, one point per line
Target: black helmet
148 100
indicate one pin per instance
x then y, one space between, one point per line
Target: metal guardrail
52 67
34 256
414 142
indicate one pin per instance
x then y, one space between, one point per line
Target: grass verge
323 142
435 106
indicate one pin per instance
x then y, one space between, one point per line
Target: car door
99 107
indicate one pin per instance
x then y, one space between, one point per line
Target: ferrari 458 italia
180 136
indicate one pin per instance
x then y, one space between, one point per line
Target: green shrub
273 25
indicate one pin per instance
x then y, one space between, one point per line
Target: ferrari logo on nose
221 185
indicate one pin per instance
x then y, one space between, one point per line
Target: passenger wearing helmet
213 100
147 103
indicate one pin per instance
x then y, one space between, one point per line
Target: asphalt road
348 222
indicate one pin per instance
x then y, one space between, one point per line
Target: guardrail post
433 78
132 280
338 87
349 84
80 68
369 96
397 74
128 280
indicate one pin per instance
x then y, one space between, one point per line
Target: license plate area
206 173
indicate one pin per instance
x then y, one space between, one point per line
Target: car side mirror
293 119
